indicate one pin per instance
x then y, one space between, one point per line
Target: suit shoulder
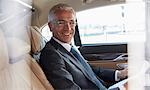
50 53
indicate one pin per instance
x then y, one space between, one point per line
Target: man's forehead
64 15
64 10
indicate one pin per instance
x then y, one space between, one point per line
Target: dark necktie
87 68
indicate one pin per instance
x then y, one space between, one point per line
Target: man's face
63 27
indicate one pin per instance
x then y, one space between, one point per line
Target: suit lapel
68 57
72 59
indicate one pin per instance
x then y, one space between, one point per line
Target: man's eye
72 23
61 22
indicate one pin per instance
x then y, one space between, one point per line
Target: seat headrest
37 40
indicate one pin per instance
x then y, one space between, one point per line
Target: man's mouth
67 34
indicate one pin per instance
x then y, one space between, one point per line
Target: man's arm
104 74
54 68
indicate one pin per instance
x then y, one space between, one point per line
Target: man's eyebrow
65 20
60 20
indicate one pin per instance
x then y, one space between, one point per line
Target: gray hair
58 7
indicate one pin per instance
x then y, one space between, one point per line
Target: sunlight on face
64 27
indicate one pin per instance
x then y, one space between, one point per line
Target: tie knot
72 49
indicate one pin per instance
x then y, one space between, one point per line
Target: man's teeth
67 34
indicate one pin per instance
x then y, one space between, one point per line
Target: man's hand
123 73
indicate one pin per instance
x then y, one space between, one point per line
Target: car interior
20 52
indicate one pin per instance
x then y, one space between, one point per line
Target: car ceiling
39 16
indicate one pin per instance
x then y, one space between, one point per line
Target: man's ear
50 25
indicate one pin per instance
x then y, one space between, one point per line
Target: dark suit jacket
63 72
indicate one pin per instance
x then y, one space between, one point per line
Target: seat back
40 75
18 70
37 41
37 44
4 59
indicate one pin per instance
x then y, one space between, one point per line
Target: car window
112 24
45 31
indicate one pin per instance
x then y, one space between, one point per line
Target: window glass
46 32
113 24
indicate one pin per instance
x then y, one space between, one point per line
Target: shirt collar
65 45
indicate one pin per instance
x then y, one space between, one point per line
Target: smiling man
63 65
62 23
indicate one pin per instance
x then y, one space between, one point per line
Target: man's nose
67 26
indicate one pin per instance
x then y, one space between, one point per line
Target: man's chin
67 41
